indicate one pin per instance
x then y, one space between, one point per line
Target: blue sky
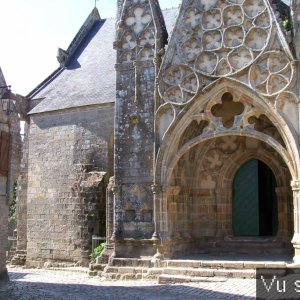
32 31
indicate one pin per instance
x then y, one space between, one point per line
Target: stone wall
3 206
65 149
10 152
3 237
22 186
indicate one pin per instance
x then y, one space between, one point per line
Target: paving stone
44 284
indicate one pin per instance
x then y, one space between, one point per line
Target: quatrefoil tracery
231 114
272 73
221 37
181 84
138 38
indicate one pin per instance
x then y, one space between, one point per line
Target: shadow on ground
18 289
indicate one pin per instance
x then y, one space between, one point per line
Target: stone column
109 210
224 216
172 213
117 232
296 238
163 218
186 214
157 198
284 213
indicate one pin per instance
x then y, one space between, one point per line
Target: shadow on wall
88 131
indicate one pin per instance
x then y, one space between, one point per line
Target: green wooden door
246 200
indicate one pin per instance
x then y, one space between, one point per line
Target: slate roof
89 77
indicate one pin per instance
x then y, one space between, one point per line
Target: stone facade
66 185
10 154
194 104
139 40
225 93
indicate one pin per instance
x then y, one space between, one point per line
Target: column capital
116 189
295 184
156 188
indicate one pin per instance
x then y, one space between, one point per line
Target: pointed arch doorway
254 207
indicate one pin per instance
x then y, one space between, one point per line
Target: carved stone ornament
228 144
134 119
215 39
116 189
295 185
285 97
156 189
180 84
213 160
271 74
136 39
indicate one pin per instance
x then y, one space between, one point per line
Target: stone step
125 270
202 272
180 275
247 246
247 251
225 264
250 244
199 272
131 262
167 279
97 267
125 273
70 269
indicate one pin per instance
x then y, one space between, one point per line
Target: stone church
171 132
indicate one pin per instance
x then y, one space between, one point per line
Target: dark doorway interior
254 200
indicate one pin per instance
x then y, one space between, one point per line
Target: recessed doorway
254 206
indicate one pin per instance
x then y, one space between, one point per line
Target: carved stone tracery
229 112
137 38
207 180
271 74
216 39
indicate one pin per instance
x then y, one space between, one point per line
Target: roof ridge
73 84
63 56
46 81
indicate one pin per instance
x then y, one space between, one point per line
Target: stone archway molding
169 147
170 151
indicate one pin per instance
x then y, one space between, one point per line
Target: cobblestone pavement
42 284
